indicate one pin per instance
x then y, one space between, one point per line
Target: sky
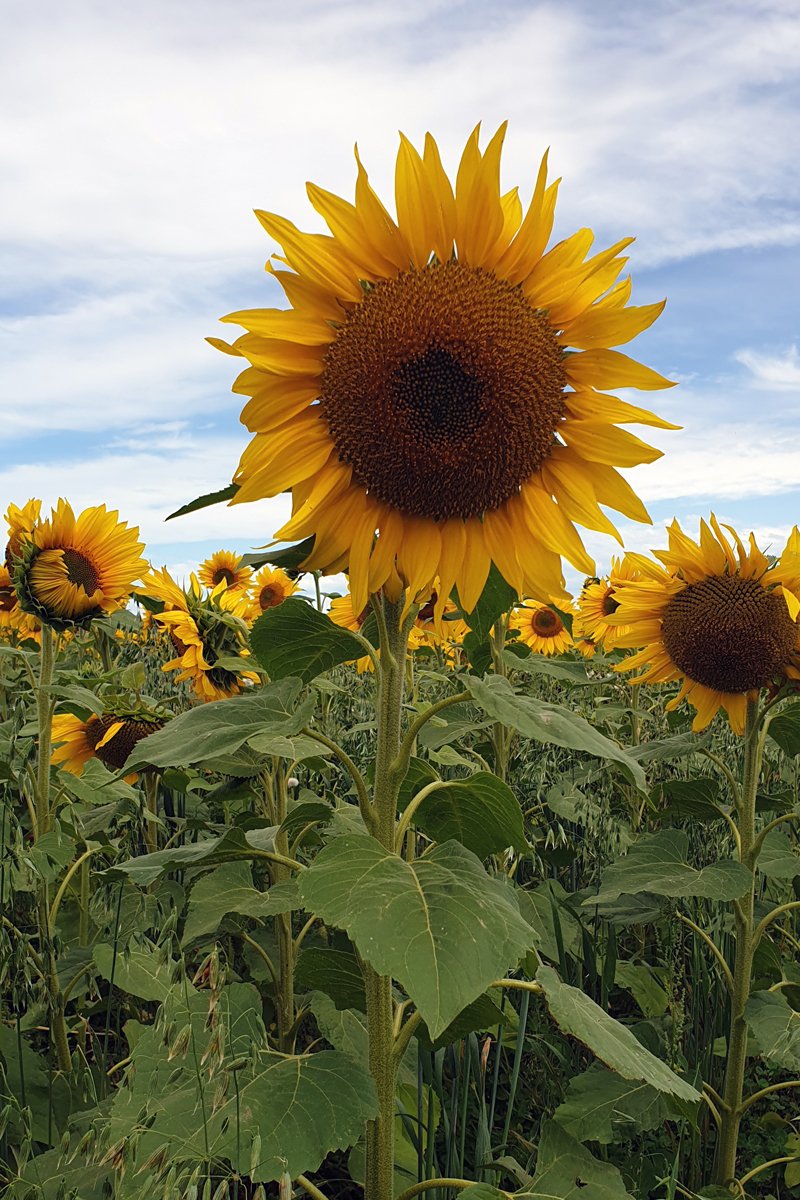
135 141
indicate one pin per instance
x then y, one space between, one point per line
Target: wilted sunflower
203 630
110 737
713 614
541 628
435 398
225 566
74 569
597 602
270 587
20 522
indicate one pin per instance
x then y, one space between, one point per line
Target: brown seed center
116 752
443 391
610 605
546 623
223 573
8 599
81 571
270 596
729 634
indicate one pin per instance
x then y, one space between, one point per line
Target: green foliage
294 639
657 864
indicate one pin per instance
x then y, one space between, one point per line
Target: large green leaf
776 1027
229 889
224 726
614 1044
548 723
572 673
136 970
601 1106
565 1170
440 926
231 845
785 729
657 864
481 812
497 597
779 858
294 638
29 1080
335 973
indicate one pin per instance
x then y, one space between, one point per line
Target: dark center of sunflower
727 633
427 610
270 596
546 623
8 599
223 573
610 605
116 752
443 391
81 571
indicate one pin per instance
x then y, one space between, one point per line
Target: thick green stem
284 984
389 772
501 734
151 781
44 710
733 1090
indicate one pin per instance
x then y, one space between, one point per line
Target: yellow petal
284 324
611 327
518 260
588 405
277 401
315 256
608 444
479 212
474 571
344 222
603 369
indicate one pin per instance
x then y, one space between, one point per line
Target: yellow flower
270 587
541 628
597 602
436 397
110 737
225 567
713 614
20 522
341 612
74 569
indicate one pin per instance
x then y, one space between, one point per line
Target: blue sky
136 140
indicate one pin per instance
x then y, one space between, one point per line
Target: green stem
151 810
44 711
501 734
724 1173
283 921
389 773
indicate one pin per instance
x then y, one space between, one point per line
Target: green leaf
418 775
548 723
97 785
295 748
785 729
135 970
295 639
573 673
220 497
542 907
481 812
497 598
229 889
668 749
695 799
458 723
289 559
776 1028
656 864
334 972
601 1106
641 981
224 726
312 812
440 926
233 844
481 1015
614 1044
26 1079
565 1170
779 858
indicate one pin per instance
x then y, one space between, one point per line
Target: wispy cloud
772 370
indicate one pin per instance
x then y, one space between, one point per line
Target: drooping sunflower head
436 397
20 522
225 566
541 628
714 614
597 603
269 588
110 737
75 569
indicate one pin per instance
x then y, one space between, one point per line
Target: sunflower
110 737
20 522
74 569
597 602
225 566
342 612
541 628
435 398
270 587
8 598
203 630
714 614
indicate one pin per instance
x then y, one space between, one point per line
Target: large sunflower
541 628
110 737
713 614
597 603
435 398
225 566
74 569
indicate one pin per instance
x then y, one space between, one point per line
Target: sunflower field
459 882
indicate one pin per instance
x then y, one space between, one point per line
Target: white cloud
772 370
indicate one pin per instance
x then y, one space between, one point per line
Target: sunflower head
75 569
540 627
436 397
597 604
110 737
225 566
269 588
717 615
21 523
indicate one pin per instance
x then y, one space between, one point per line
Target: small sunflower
341 612
20 522
75 569
225 566
270 587
8 599
436 397
203 630
541 628
714 614
109 737
597 602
